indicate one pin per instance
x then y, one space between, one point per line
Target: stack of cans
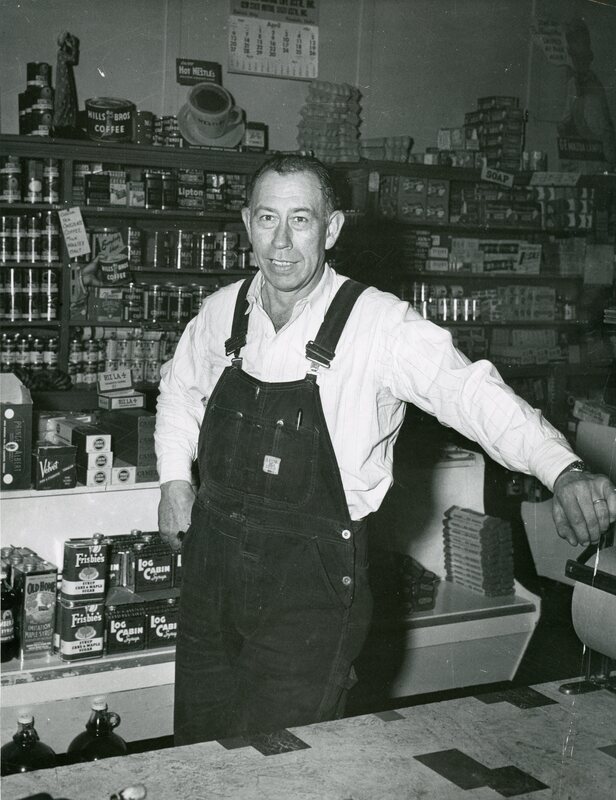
37 102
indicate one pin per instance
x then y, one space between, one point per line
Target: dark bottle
9 644
98 740
26 752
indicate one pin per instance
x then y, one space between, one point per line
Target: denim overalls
275 603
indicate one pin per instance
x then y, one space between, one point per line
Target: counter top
525 743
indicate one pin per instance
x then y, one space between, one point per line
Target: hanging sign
74 232
189 71
276 38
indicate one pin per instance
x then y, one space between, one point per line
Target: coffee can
10 181
51 180
204 245
38 73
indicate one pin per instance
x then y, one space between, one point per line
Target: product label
81 630
7 630
84 569
38 612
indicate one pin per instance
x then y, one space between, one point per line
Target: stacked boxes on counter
330 120
478 551
105 448
414 199
488 204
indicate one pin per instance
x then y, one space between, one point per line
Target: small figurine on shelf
65 113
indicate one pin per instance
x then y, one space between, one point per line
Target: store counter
524 743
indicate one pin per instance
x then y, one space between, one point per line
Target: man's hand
89 273
176 502
583 506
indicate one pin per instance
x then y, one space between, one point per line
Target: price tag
74 232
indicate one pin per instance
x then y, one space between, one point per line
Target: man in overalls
289 389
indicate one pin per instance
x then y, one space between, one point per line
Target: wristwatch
574 466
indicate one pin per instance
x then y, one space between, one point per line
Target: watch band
574 466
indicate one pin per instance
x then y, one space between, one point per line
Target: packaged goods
162 623
81 626
123 473
26 752
53 466
34 581
125 624
87 438
84 569
153 567
16 435
98 740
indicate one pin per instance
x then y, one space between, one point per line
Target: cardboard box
87 438
98 460
123 473
147 474
16 434
121 399
94 477
133 435
53 466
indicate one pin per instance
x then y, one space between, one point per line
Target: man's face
289 230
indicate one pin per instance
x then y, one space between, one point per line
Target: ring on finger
599 500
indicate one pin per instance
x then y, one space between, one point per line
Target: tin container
153 567
81 629
160 249
156 305
180 304
38 73
84 568
169 191
225 253
204 246
125 630
183 252
35 583
152 371
153 182
51 180
134 245
109 119
133 302
162 623
10 181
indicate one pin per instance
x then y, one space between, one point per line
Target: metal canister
33 239
49 294
31 294
151 349
134 245
111 348
152 371
153 185
51 180
156 304
10 181
180 304
199 293
38 73
124 349
133 302
204 246
50 352
13 294
50 240
225 254
160 246
32 190
169 191
182 254
137 367
17 234
6 239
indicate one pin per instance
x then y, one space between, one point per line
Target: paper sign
550 36
74 232
189 71
529 258
504 179
554 178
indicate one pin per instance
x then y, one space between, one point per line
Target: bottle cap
25 719
99 704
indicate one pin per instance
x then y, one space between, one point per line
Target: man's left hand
583 507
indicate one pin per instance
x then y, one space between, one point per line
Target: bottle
26 752
10 602
98 740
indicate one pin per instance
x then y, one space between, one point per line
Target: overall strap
322 350
239 329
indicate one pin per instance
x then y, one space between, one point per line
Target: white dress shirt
387 355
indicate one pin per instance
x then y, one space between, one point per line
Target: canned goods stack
36 103
142 353
167 132
28 352
28 294
29 238
205 251
29 180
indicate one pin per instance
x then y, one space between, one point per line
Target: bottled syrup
26 752
98 740
10 601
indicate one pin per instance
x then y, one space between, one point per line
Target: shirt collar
318 299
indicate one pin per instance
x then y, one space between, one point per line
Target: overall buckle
321 355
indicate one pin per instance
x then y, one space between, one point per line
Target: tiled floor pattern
535 744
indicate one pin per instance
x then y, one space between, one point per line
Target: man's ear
246 220
334 226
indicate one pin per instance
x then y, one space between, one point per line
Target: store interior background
419 64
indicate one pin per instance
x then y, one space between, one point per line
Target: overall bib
275 603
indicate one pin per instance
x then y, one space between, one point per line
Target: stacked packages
330 120
478 551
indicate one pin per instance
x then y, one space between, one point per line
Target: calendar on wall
276 38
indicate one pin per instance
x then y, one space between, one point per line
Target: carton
16 433
53 466
115 391
133 435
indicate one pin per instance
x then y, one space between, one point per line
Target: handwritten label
74 232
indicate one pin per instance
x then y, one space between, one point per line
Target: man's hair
289 163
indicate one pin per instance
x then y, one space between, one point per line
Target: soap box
16 433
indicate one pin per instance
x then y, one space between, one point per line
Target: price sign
74 232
